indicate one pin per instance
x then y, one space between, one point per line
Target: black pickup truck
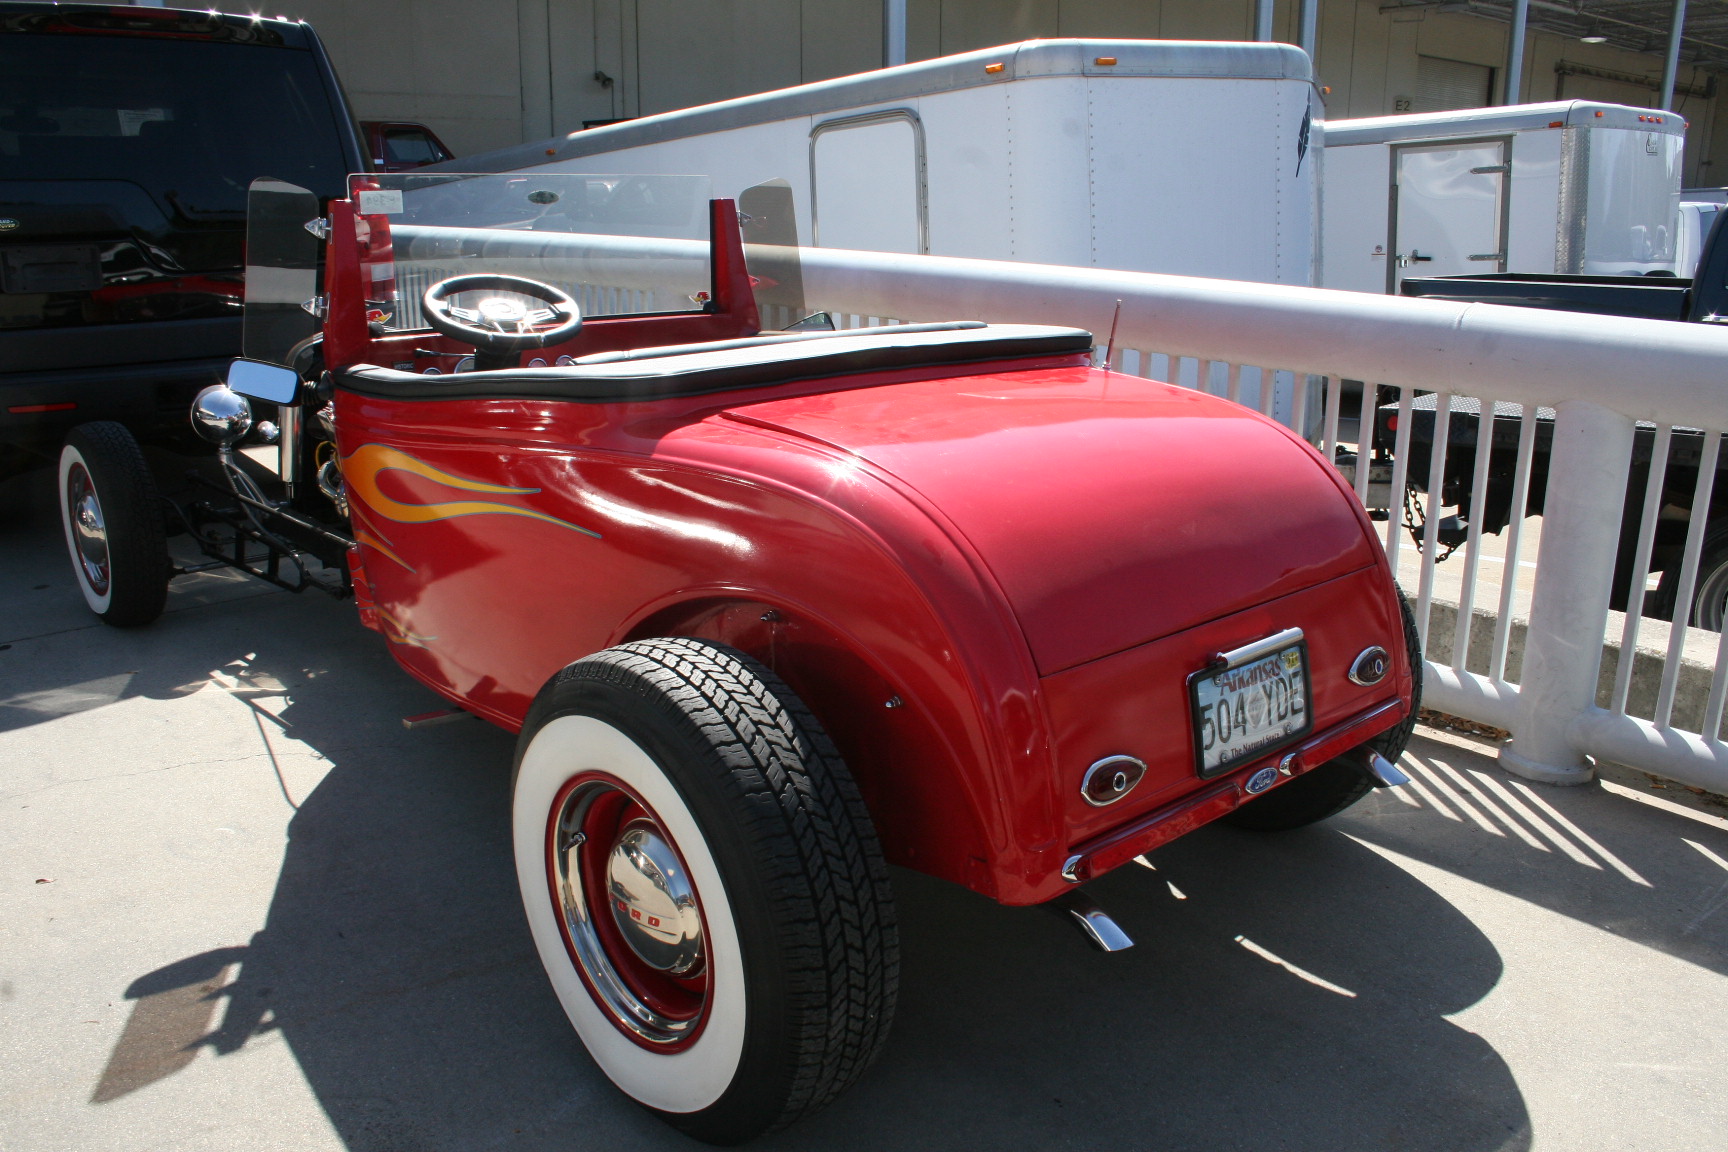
1702 299
128 138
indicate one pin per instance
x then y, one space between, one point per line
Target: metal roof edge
1511 117
285 26
1030 59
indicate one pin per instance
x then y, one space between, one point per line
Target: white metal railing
1520 642
1594 384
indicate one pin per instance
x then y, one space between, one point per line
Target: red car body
769 611
982 578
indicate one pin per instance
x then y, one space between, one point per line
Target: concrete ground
242 908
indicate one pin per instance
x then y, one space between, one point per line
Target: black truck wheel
703 885
1337 784
1709 590
113 524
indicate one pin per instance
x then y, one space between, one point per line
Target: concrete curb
1692 689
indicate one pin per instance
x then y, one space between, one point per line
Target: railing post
1587 475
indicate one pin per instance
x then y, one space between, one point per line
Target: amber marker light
1105 60
993 67
1556 123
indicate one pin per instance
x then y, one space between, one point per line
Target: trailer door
867 183
1448 209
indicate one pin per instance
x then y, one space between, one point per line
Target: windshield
621 245
1634 200
189 122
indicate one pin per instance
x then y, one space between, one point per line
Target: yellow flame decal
397 633
366 463
381 546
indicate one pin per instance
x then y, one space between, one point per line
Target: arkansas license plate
1247 709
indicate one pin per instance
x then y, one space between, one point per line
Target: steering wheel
501 324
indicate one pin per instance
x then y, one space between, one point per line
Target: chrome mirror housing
261 381
221 415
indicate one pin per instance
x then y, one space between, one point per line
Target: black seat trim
775 338
703 369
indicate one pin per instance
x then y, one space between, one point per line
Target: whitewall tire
112 521
703 886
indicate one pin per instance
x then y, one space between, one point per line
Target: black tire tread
1712 554
138 565
815 848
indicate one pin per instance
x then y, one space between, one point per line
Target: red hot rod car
771 610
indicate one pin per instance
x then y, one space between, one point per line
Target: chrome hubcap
89 530
652 902
644 961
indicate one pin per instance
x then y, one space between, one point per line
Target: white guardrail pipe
1598 374
1644 369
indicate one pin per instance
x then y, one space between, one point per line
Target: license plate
1249 706
50 268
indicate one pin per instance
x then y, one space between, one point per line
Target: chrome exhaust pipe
1094 923
1384 773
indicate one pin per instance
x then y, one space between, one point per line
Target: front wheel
703 886
113 524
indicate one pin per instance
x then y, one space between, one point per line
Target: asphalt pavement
241 907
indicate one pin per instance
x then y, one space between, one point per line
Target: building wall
488 75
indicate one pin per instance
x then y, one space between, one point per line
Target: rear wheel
1709 589
703 886
1337 784
113 524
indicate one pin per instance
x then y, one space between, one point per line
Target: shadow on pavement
1631 869
1286 992
42 677
396 965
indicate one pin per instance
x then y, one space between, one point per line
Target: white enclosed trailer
1565 187
1155 156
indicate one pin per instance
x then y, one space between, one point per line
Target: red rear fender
925 800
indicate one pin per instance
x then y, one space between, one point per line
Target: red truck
772 610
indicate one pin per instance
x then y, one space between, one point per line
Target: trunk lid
1110 509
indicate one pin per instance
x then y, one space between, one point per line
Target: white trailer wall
1178 157
1578 187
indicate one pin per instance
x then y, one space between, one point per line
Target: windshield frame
621 244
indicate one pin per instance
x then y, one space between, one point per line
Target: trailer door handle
1487 169
1417 257
1494 256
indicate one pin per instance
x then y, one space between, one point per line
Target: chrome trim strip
885 116
1071 868
1249 653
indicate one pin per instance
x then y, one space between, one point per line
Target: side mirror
815 322
263 381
